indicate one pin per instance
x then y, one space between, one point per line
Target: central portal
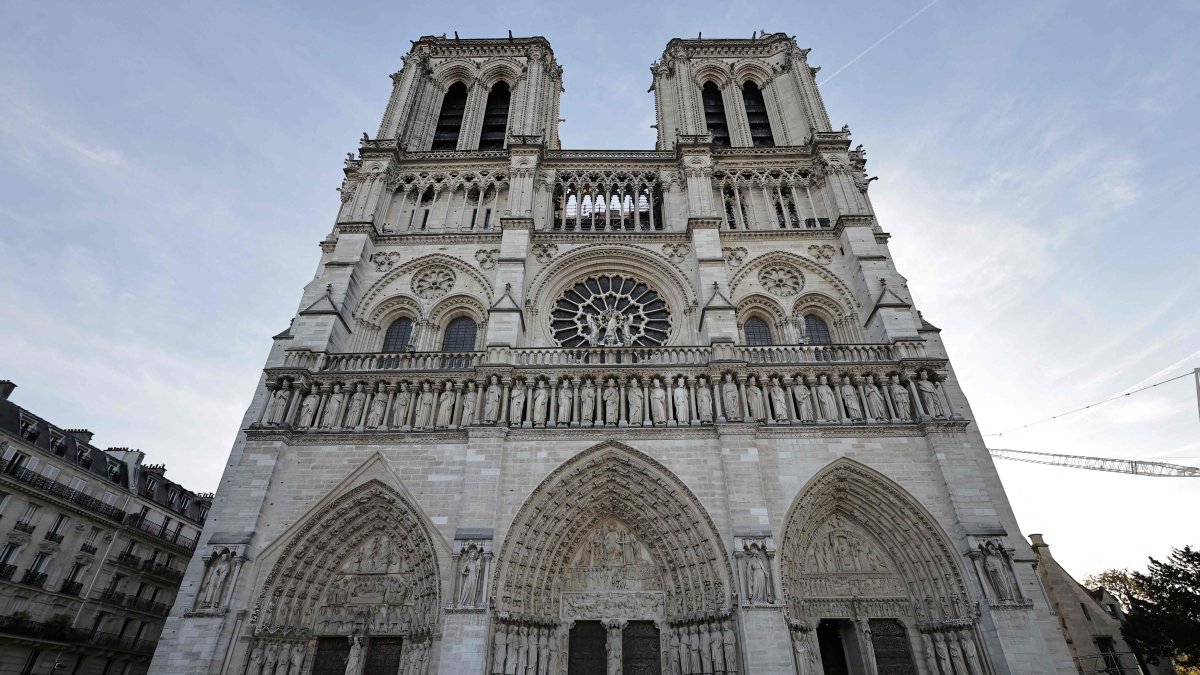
641 650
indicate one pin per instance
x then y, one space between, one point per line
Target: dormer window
172 498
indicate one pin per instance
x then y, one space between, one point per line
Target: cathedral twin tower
549 412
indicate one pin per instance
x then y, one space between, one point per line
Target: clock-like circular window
610 310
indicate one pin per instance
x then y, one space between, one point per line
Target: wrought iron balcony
162 571
56 489
54 537
11 625
71 587
112 597
23 526
146 605
157 530
6 572
87 548
33 578
129 560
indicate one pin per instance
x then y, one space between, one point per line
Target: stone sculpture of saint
714 648
552 652
540 396
445 414
729 647
297 659
635 402
592 336
522 650
277 407
997 572
271 658
491 401
255 664
876 408
804 402
333 408
587 402
357 402
658 402
956 655
499 643
850 400
694 648
625 336
704 401
543 651
612 402
401 406
829 409
354 662
754 401
378 406
610 330
901 400
308 409
565 397
469 590
929 396
673 665
425 407
758 588
470 400
729 398
516 407
680 399
778 401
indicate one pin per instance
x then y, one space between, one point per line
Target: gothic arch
612 480
767 309
751 70
455 70
869 506
501 69
328 545
370 301
810 269
716 71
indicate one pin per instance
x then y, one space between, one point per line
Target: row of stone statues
276 658
593 401
709 647
525 650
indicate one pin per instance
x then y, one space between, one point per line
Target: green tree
1119 582
1164 612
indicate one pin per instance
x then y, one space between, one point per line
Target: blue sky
167 169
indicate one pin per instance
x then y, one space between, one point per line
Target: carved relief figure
929 396
271 659
308 409
658 402
354 662
213 588
875 405
516 408
754 401
612 400
357 401
565 397
804 402
254 665
704 401
995 564
378 406
635 402
757 584
491 402
425 407
540 394
680 399
445 414
900 399
587 402
297 659
470 401
729 647
400 412
469 591
277 406
592 336
333 408
778 401
850 400
729 398
829 409
499 645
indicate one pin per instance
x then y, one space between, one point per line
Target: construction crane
1134 466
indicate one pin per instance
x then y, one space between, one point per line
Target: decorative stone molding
433 282
781 280
544 253
487 258
676 253
822 253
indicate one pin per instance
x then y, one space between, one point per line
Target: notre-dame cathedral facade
550 412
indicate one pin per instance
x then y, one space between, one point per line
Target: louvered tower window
460 335
756 114
454 104
495 118
714 115
757 331
399 334
817 330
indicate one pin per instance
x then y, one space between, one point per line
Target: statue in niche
956 655
610 330
995 564
850 401
543 651
635 402
875 405
254 665
673 664
425 407
971 652
470 574
491 401
357 401
587 402
333 408
804 402
470 400
778 401
680 399
829 409
522 649
929 396
308 409
212 590
516 407
704 401
729 398
403 400
445 413
714 647
354 662
499 644
378 407
565 398
758 586
901 400
612 402
754 401
540 397
694 648
658 402
277 406
297 659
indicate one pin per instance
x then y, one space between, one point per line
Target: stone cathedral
572 412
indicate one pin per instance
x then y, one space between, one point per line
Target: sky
167 169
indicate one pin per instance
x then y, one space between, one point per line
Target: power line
1093 405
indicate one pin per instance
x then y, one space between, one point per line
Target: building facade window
495 117
757 331
816 330
59 524
399 336
714 114
30 513
449 124
756 115
460 335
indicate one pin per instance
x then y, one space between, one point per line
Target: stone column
615 627
552 405
576 419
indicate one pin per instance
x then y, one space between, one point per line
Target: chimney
1039 543
6 388
81 435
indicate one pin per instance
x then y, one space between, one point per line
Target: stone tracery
610 310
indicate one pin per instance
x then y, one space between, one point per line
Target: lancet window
399 336
756 115
495 117
463 201
778 199
714 114
460 335
817 330
607 202
449 124
757 331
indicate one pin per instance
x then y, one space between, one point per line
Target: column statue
876 408
445 412
516 403
754 401
779 401
635 403
680 399
565 398
900 399
491 401
403 401
804 402
378 407
729 398
829 409
704 402
850 400
929 396
612 402
658 402
470 402
587 402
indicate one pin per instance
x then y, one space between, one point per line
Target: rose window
433 282
781 280
610 310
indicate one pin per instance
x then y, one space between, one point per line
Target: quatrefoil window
610 310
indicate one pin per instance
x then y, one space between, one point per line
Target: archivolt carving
495 70
369 540
761 305
367 305
460 303
751 70
826 307
612 508
851 531
717 71
394 307
449 72
780 258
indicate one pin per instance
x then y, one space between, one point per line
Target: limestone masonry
548 411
